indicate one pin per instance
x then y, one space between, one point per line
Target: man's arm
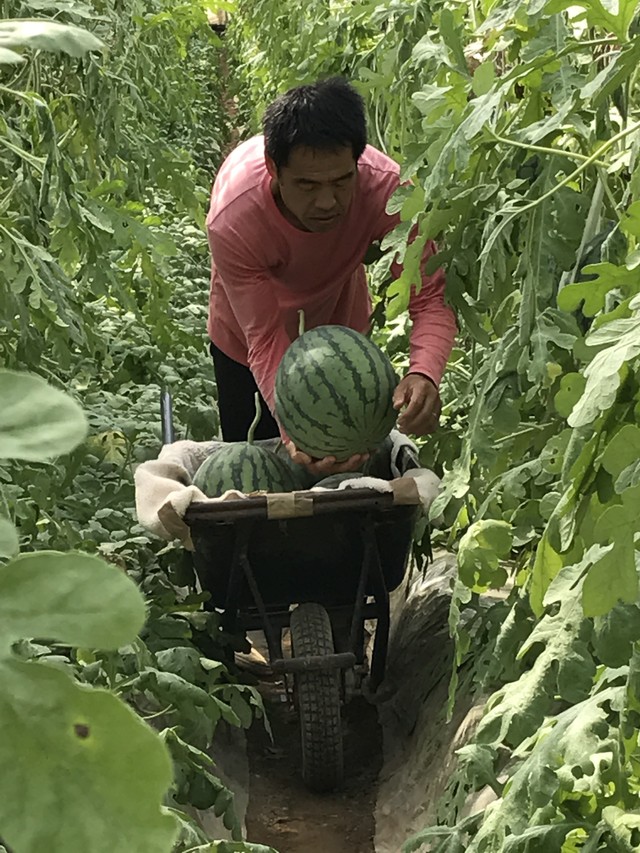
434 324
432 336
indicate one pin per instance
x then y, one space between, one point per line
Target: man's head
314 136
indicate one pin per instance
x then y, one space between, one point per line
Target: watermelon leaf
75 598
9 544
37 422
48 35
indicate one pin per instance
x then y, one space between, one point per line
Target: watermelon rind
244 467
302 477
334 393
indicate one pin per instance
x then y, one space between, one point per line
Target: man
292 215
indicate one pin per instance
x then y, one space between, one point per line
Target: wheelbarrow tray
318 557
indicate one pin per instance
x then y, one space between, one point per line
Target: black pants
236 400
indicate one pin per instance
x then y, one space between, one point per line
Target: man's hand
327 466
419 400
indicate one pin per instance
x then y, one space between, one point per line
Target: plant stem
573 155
567 180
590 229
256 419
169 708
607 189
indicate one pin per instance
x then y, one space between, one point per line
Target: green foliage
482 549
37 422
45 35
516 126
66 747
71 597
106 159
64 741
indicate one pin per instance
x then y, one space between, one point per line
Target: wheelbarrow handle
166 416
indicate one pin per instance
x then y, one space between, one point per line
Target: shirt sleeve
252 295
434 325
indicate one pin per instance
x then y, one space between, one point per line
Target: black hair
328 114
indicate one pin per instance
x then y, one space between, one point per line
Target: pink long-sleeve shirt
264 269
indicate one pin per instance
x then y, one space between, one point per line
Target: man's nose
326 200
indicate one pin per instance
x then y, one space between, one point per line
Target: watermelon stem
256 419
300 322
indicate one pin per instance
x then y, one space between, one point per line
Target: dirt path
283 814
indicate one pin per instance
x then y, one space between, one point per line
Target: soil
282 813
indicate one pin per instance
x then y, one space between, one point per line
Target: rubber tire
319 701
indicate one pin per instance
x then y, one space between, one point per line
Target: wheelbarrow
321 564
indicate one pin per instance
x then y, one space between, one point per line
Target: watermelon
303 479
244 466
334 392
333 482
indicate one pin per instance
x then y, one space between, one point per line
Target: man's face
315 188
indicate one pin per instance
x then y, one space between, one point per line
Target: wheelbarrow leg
242 572
381 595
242 565
236 578
356 639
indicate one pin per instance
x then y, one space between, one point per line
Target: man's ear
271 166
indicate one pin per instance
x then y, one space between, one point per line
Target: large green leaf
624 827
622 344
612 579
563 666
622 450
37 422
631 220
570 757
90 774
613 16
10 57
48 35
571 389
629 478
77 8
482 550
591 295
66 741
540 839
546 566
73 598
615 632
8 539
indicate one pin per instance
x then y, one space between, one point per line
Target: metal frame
371 573
324 503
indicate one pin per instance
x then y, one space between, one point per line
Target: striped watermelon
334 390
303 479
244 466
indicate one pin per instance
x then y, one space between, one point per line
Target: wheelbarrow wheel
318 697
